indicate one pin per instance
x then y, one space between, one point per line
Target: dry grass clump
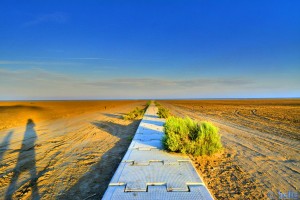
148 104
137 113
163 113
156 103
187 136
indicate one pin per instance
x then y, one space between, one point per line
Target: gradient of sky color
149 49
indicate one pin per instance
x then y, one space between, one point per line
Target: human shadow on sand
93 184
26 162
5 145
113 115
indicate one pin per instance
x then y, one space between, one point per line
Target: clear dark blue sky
149 49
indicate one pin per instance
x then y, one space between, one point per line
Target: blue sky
149 49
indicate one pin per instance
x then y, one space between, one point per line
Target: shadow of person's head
30 123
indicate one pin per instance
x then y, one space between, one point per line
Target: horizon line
120 99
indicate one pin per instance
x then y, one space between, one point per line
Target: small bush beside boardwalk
148 104
163 113
137 113
187 136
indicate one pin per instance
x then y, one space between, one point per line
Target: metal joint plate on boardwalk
148 172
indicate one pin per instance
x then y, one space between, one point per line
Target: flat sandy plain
261 140
71 149
62 149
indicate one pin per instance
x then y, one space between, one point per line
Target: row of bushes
184 135
137 113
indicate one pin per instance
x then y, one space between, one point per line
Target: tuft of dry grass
137 113
163 113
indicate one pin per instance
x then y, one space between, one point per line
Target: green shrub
137 113
156 103
148 104
163 112
185 135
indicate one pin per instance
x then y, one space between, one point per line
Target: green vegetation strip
156 103
162 112
187 136
137 113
